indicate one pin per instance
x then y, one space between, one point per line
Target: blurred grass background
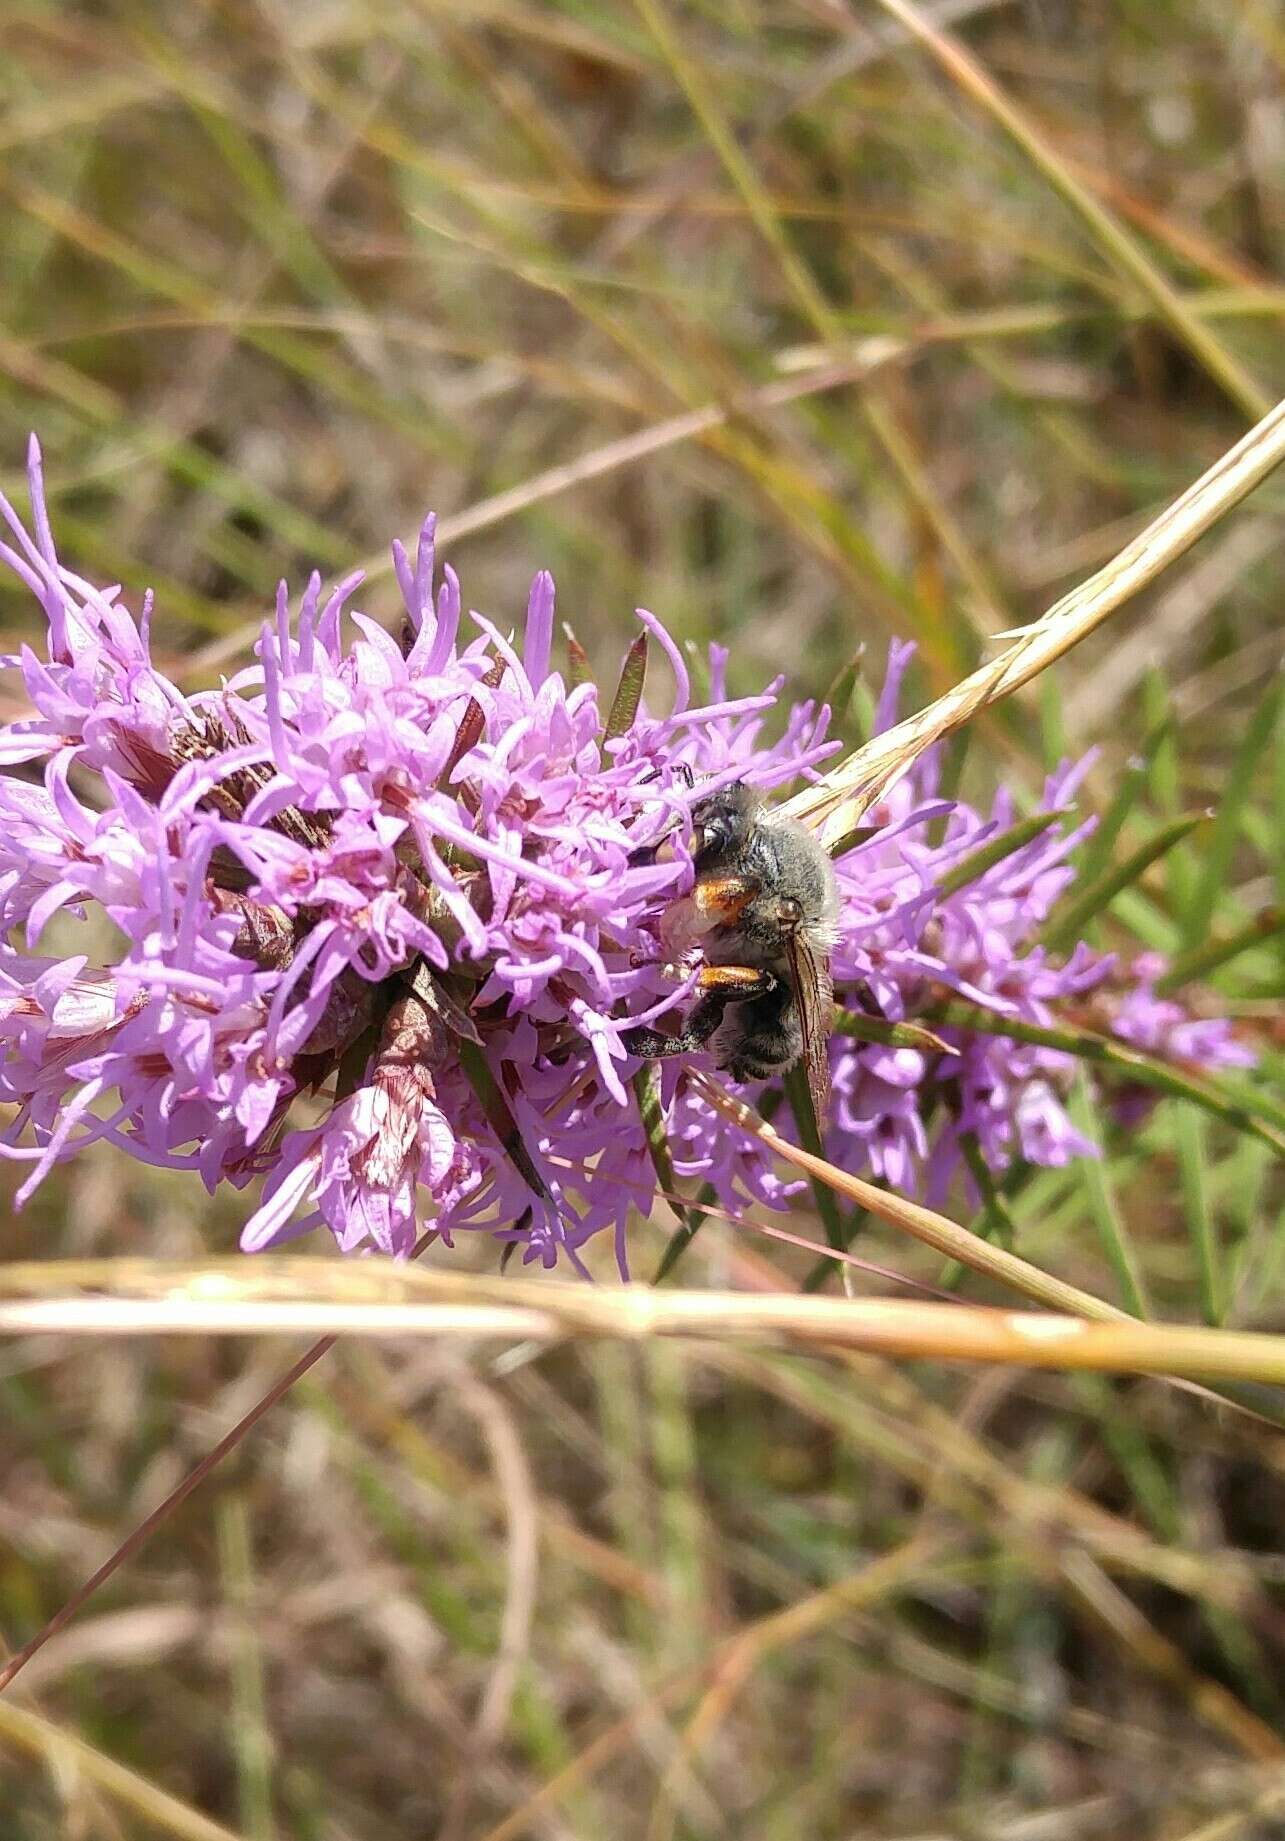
273 281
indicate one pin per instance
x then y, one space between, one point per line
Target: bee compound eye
791 909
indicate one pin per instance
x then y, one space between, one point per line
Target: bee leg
721 985
653 1045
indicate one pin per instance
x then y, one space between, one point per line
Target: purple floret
360 852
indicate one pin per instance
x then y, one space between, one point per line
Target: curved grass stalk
843 795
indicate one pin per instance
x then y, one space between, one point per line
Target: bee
763 912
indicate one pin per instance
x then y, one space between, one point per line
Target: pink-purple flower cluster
380 899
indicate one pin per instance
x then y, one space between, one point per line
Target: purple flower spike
367 873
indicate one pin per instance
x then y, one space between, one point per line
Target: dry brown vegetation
805 327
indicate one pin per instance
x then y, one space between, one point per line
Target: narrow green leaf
250 1744
499 1116
578 668
683 1236
1216 857
985 857
888 1034
1246 1109
1052 727
1128 1444
954 754
849 711
624 706
1100 1197
816 1276
1095 899
1096 853
646 1086
799 1098
859 834
1165 781
839 695
1189 1138
995 1221
1202 960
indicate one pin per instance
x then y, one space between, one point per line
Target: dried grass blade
1110 235
841 797
467 1305
924 1224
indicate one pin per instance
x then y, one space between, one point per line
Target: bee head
721 824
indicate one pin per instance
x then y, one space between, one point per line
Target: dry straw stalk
840 799
141 1298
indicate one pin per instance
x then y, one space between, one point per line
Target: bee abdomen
751 1047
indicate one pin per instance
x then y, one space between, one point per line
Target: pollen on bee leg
735 980
715 902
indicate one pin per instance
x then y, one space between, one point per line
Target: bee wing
814 996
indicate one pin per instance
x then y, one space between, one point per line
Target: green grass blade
887 1034
986 856
499 1115
1202 960
682 1237
1076 914
1246 1109
1189 1140
1097 850
1220 846
1105 1215
799 1098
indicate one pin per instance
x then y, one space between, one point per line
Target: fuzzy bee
763 913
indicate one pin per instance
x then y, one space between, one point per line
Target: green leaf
1164 781
499 1116
859 834
1100 1197
1202 960
646 1086
578 668
1095 899
889 1034
799 1098
1246 1109
954 754
995 1221
1220 846
850 711
821 1270
624 705
1052 727
1189 1139
682 1237
985 857
1096 853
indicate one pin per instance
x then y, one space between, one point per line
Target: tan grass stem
839 800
